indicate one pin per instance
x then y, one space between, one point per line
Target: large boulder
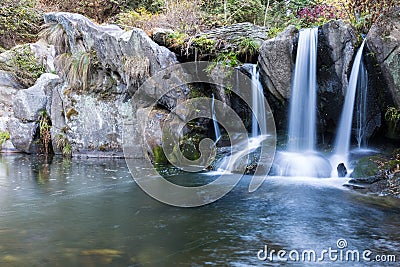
241 38
92 118
276 63
27 105
29 102
383 41
23 135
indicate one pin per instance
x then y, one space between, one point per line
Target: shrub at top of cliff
99 10
23 64
19 22
364 13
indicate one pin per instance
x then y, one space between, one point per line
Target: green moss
366 167
159 156
189 150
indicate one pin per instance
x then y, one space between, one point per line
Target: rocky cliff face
98 70
383 41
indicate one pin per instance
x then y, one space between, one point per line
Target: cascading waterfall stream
215 123
302 124
301 159
259 126
259 122
342 144
362 93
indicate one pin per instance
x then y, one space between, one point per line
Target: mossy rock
189 150
366 167
159 156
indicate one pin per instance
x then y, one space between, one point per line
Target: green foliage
229 58
4 136
204 44
234 11
44 130
189 149
392 115
176 39
19 22
98 10
248 48
63 144
183 16
24 66
364 13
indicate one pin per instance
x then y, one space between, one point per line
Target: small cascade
362 93
342 144
214 117
259 122
259 126
302 125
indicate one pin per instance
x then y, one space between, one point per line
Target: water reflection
89 212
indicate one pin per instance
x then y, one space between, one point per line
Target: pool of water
89 212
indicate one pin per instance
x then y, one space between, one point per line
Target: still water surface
91 213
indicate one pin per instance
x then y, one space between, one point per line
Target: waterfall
362 93
301 159
259 126
302 122
214 117
342 144
259 123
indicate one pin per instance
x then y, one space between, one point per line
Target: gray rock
8 88
22 135
276 63
8 147
126 53
94 121
151 125
160 36
94 124
29 102
383 40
